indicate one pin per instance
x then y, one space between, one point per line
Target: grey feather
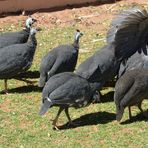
60 59
129 32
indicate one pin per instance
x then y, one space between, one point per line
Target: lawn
22 127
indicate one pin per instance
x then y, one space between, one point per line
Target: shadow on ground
24 89
29 74
91 119
137 118
100 118
108 97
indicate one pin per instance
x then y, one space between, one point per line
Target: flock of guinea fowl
125 57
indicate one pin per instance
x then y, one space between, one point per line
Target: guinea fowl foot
55 128
4 92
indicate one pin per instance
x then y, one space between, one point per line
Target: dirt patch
92 16
5 106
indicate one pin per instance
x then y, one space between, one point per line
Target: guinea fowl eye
44 100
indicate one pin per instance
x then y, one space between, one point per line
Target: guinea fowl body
64 54
66 90
17 58
131 89
60 59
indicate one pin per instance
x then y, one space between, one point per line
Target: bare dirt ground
92 16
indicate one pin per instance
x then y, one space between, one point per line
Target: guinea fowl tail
129 33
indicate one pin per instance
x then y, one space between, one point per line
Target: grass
22 127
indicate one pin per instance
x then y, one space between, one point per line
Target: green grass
22 127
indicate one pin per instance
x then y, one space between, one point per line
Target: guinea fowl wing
14 59
123 85
72 92
99 67
65 59
47 61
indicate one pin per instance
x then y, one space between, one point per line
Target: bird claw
5 92
55 128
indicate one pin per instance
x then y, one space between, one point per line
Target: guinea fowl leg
69 119
130 114
5 85
56 118
145 114
140 108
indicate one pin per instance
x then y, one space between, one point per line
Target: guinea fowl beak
38 29
34 20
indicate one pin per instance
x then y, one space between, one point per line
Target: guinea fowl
131 89
128 34
17 58
66 90
61 59
10 38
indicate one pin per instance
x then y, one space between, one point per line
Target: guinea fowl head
32 38
30 21
34 31
46 104
77 36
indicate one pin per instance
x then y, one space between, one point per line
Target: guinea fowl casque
131 89
10 38
127 35
60 59
17 58
67 90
